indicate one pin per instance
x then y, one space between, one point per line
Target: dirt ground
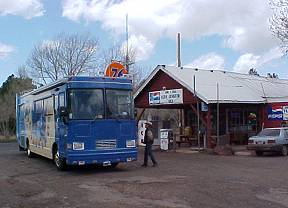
180 181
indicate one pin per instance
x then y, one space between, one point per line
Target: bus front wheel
113 165
59 162
29 153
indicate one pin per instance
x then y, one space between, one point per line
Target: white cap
149 123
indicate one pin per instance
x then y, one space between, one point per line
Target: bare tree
272 75
118 52
253 71
279 21
65 55
22 72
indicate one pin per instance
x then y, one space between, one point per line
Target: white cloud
249 60
246 62
24 8
5 50
142 46
243 25
208 61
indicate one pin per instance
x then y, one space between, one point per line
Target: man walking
148 140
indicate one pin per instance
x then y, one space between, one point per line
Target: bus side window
39 107
56 104
61 100
48 106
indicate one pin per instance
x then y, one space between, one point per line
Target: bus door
61 127
48 127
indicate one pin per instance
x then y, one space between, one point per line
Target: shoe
155 165
144 166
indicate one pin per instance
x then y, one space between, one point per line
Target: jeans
148 152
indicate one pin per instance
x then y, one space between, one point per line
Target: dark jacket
146 139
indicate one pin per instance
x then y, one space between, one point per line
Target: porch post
203 120
208 127
140 114
262 118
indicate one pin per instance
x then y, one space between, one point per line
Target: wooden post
180 124
218 115
203 120
140 114
227 120
208 127
262 118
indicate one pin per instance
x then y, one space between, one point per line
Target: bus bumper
103 158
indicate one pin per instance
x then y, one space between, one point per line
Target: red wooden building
247 103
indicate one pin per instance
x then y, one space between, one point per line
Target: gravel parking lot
181 180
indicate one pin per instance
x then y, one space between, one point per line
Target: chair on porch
223 140
238 138
187 137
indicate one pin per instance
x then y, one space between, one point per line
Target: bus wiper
97 116
117 118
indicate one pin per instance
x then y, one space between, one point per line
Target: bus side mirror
63 113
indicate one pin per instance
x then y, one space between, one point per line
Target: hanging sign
115 69
174 96
285 113
275 112
204 107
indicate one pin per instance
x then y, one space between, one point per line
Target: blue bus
79 121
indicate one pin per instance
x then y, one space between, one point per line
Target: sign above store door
165 97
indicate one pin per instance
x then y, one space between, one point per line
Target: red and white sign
174 96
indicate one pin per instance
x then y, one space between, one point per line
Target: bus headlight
130 143
78 146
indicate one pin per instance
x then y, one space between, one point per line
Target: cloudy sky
224 34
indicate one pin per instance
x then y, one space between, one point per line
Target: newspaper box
166 139
141 132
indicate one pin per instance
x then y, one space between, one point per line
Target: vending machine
141 132
166 139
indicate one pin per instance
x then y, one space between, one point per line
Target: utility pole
127 46
178 64
178 50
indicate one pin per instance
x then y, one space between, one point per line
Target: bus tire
59 162
30 154
21 148
259 153
114 165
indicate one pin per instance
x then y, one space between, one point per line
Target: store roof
233 87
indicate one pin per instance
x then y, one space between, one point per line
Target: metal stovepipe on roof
178 51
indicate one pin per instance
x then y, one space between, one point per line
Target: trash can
166 139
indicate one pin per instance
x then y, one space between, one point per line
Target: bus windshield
86 104
119 104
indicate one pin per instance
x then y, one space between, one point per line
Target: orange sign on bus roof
115 69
